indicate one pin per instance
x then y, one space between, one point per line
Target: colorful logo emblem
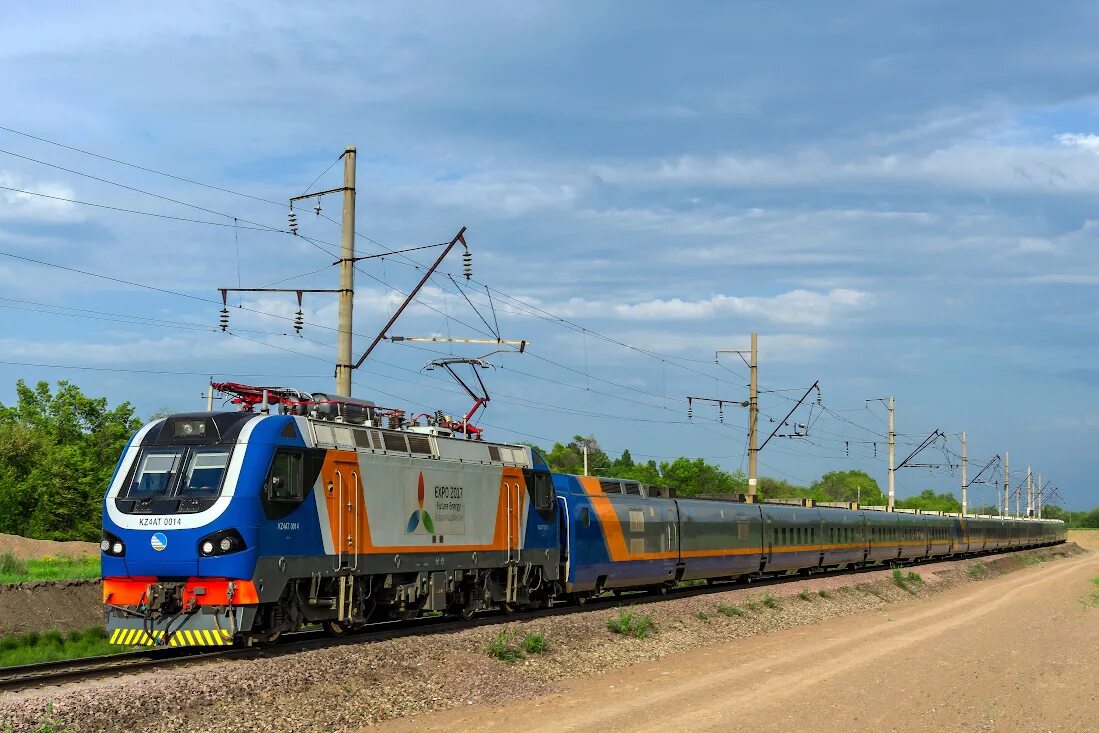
420 515
159 541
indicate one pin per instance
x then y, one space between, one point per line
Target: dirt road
1017 653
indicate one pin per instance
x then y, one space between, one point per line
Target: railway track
68 671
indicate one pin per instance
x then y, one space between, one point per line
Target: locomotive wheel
334 628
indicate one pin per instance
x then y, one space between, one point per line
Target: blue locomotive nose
163 553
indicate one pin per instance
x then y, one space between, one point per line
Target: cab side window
285 481
544 499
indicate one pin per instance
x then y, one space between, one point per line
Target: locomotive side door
343 496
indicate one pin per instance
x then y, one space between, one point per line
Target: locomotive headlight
223 542
112 545
189 428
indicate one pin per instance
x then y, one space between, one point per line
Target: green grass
627 623
50 723
804 595
753 605
505 647
770 601
903 580
726 610
509 647
690 583
976 571
824 594
703 616
16 570
51 646
1033 558
1091 600
535 643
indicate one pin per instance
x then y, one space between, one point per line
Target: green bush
58 449
505 647
626 623
535 643
703 616
903 579
824 594
726 610
770 601
804 594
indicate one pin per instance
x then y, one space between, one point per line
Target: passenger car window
585 517
285 480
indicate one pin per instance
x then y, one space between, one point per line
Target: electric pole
753 417
888 402
753 410
1029 492
892 450
964 484
1006 473
347 277
1038 499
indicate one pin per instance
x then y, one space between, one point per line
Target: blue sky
900 200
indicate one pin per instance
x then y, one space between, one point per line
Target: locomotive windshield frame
192 479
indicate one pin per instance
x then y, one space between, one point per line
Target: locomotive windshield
155 474
167 480
204 472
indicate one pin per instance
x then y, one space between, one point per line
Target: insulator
440 418
293 222
395 421
224 319
846 447
467 264
299 321
690 413
317 208
720 412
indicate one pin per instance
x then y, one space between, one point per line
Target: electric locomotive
224 527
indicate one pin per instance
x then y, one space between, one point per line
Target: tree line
59 447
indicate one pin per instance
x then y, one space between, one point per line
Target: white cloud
1087 141
979 166
794 307
501 193
18 205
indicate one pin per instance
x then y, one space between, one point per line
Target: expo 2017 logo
420 515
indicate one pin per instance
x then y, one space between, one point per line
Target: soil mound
27 549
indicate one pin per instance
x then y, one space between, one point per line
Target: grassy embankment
17 570
51 646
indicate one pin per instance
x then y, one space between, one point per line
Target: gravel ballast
346 687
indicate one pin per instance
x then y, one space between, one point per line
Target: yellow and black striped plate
183 637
